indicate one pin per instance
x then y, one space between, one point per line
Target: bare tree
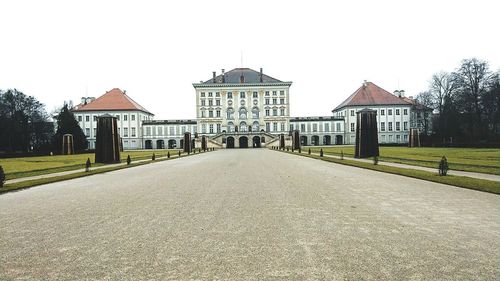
441 86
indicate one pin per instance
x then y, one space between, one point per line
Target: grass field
465 182
482 160
32 166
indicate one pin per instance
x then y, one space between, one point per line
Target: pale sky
63 50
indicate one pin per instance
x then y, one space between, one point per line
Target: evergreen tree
67 124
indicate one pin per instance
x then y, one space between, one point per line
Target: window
282 101
202 102
275 112
118 117
267 112
397 111
390 126
125 117
87 118
382 126
132 117
382 112
303 127
338 127
211 128
217 113
210 102
148 131
242 95
87 132
217 102
133 132
210 113
268 127
327 127
405 125
282 112
282 127
274 101
202 113
315 127
398 126
398 138
217 94
218 128
352 112
229 95
255 95
274 93
275 126
389 111
267 93
405 137
390 138
405 111
203 128
202 94
172 130
95 118
125 132
282 92
95 131
267 101
79 118
209 94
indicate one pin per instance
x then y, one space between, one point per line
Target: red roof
371 94
115 99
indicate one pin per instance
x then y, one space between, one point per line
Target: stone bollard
321 152
300 150
179 153
168 154
309 152
153 157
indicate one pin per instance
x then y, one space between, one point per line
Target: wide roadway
248 214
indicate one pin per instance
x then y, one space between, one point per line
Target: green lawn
482 160
32 166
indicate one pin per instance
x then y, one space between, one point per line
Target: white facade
129 126
159 134
393 122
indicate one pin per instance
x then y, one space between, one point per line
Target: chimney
365 83
213 79
242 78
84 100
402 93
396 93
260 76
223 76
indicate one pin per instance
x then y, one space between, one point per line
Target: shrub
128 160
2 176
443 166
87 165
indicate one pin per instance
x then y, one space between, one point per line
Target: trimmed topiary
321 152
87 165
2 176
168 154
443 166
128 160
153 157
341 155
309 152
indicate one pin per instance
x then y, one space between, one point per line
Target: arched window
230 127
255 113
255 126
243 126
243 113
230 113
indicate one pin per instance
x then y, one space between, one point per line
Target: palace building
247 108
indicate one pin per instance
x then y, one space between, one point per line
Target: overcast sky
63 50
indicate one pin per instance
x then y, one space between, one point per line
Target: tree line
25 125
466 104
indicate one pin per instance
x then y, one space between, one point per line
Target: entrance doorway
160 144
148 144
256 142
315 140
243 142
230 142
172 144
327 140
338 139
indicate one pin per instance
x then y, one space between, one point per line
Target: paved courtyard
250 214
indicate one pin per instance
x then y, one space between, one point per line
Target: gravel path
251 214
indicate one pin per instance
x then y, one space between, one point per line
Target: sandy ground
250 214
